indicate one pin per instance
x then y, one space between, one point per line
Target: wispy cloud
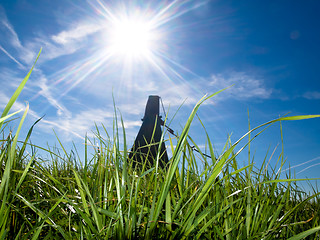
245 86
312 95
77 124
8 30
11 57
42 83
73 125
10 40
65 42
26 54
177 94
76 33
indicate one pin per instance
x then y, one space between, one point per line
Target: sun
132 37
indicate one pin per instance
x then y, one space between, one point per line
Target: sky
96 51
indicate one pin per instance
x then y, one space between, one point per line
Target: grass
100 196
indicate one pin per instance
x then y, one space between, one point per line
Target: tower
146 144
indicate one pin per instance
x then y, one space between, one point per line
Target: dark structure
146 145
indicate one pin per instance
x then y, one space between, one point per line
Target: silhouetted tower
146 144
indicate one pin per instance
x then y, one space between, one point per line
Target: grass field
100 195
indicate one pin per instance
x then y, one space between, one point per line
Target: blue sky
269 50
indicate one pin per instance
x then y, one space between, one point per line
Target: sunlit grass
101 196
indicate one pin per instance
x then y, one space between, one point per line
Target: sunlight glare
132 38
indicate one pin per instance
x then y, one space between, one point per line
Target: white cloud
176 94
11 57
42 83
76 33
132 124
78 124
10 40
312 95
51 50
63 43
245 86
8 28
67 126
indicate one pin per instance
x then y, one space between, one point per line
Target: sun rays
133 42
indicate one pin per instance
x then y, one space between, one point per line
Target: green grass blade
18 91
37 233
2 119
305 233
24 174
168 212
10 163
82 192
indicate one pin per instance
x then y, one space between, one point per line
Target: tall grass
101 196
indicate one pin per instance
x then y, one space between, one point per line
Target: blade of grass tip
289 180
292 118
299 117
37 233
175 161
213 158
119 188
305 233
18 91
62 147
77 154
27 138
2 119
125 161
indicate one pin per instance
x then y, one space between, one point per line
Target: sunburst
132 37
